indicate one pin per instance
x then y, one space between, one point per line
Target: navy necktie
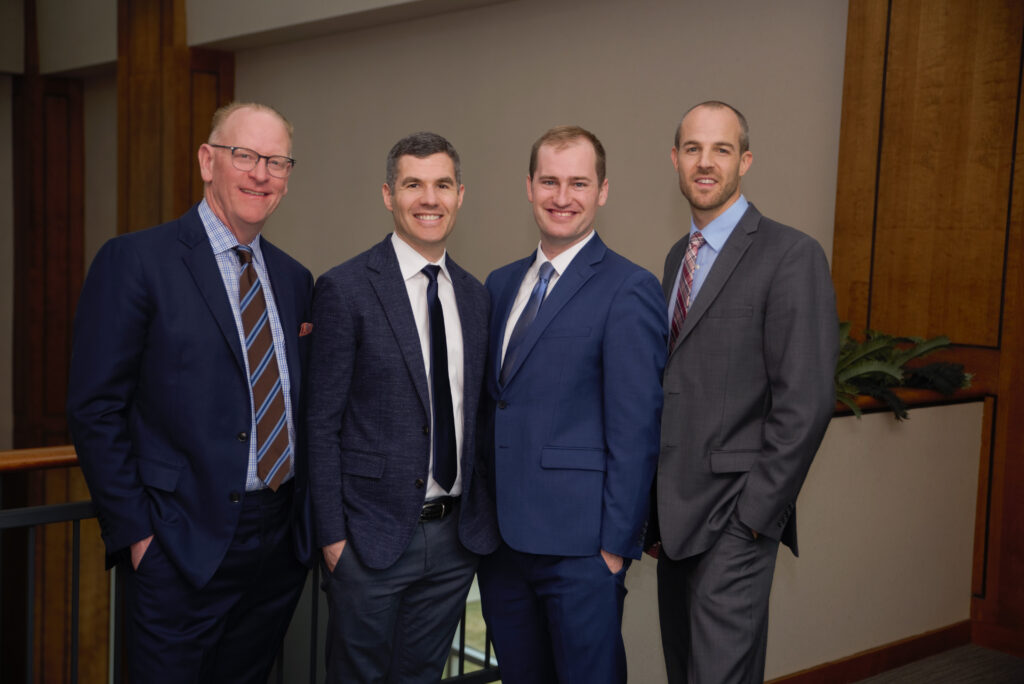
445 456
526 318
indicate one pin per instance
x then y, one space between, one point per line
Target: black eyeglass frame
234 160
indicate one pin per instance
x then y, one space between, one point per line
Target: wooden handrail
17 460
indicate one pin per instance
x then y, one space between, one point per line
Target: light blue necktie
526 318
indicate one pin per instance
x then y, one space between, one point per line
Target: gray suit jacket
748 388
369 409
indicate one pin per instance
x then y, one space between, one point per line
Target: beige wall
99 106
76 35
12 38
492 79
886 538
6 265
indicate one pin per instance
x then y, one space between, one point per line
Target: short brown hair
562 136
716 104
223 113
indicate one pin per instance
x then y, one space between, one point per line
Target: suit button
502 404
426 429
234 497
242 436
419 483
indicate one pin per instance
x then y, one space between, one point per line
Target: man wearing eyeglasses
183 402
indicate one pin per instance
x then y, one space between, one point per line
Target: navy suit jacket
575 427
369 409
158 399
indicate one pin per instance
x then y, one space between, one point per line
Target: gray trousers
397 624
713 609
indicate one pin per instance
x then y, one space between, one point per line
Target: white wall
492 79
886 525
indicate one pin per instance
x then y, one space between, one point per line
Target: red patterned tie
685 283
273 450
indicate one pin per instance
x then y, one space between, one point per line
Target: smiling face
565 194
709 161
424 202
243 200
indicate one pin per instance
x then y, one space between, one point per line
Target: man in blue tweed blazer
400 548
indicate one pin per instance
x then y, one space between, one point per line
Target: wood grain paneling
944 176
943 239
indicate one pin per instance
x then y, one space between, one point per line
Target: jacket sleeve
331 362
110 332
634 351
801 344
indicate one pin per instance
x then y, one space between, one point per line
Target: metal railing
301 657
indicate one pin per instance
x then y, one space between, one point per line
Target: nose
259 172
562 196
705 159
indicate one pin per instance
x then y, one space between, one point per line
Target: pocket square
305 329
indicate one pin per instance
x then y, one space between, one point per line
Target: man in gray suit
748 395
396 370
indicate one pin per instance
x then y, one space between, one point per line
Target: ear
675 158
205 155
746 159
462 194
529 188
602 195
386 192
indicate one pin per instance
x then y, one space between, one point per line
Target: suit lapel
501 307
202 264
732 252
474 327
386 280
580 270
284 298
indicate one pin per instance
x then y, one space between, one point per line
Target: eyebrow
571 178
413 179
714 144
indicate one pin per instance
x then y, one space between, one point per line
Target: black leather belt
437 509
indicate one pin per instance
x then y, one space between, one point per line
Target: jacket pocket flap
733 461
577 459
158 474
362 463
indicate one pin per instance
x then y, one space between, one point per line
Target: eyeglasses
244 159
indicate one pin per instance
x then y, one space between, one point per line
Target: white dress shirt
411 263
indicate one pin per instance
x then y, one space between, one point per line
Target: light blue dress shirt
715 234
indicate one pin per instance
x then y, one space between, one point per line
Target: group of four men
419 428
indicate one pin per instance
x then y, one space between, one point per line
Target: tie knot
431 271
697 239
244 253
546 269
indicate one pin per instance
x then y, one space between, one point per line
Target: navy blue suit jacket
158 399
576 425
369 409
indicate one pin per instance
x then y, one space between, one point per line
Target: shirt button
234 497
242 436
419 483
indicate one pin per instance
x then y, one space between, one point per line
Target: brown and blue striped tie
273 449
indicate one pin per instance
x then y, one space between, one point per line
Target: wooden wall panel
858 154
931 240
944 177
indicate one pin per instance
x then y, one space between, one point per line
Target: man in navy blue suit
577 346
396 373
161 406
